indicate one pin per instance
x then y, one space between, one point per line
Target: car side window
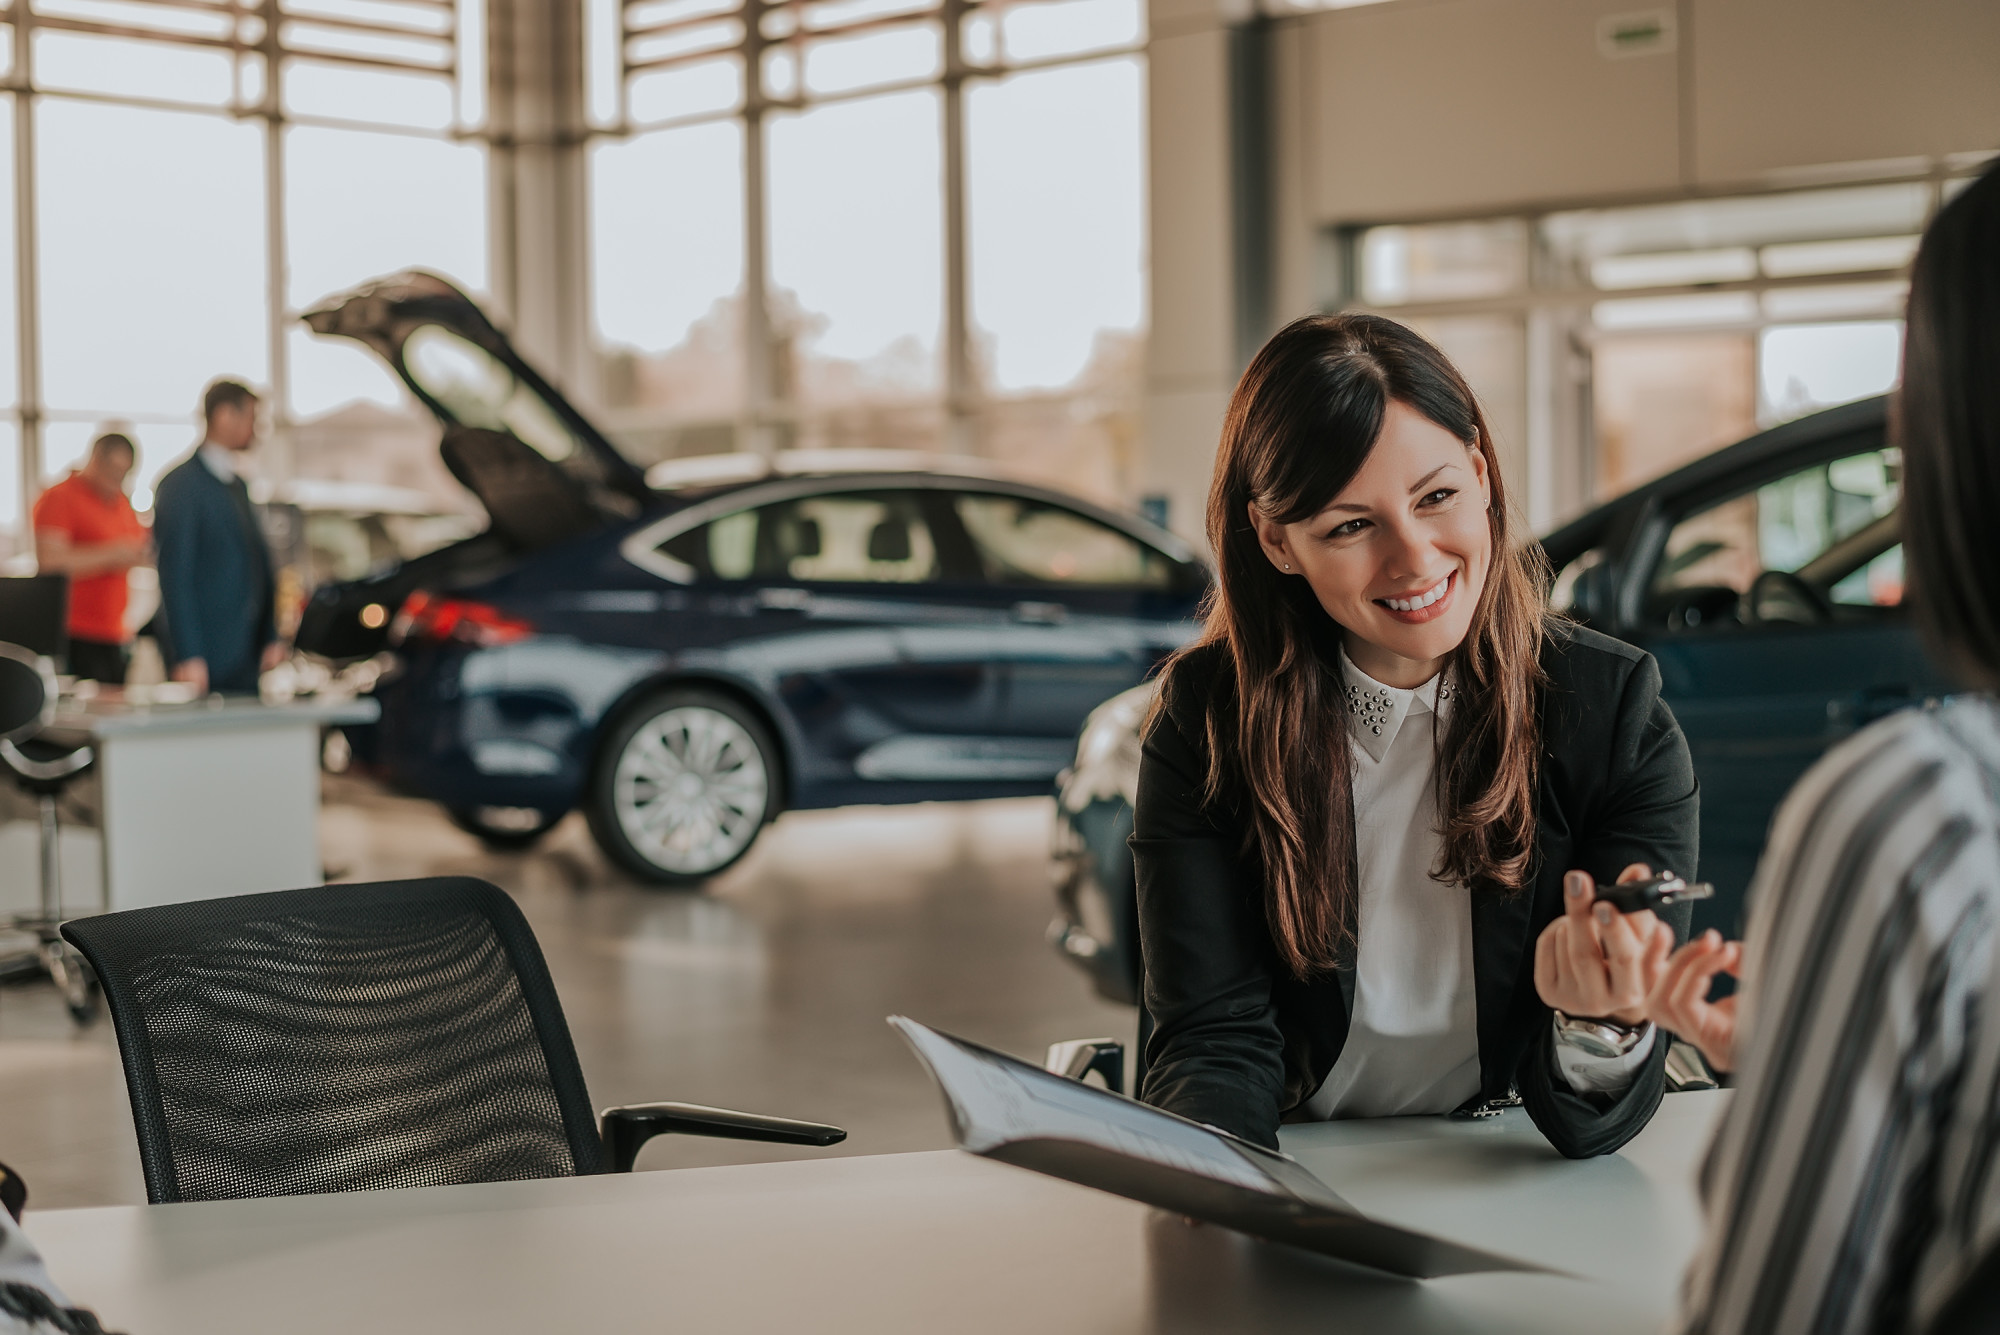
837 537
1797 549
1020 540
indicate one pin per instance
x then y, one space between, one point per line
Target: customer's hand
1596 961
1679 999
193 671
276 652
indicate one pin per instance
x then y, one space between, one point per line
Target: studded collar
1375 713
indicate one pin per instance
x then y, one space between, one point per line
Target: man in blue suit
216 586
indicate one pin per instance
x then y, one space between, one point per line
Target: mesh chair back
341 1038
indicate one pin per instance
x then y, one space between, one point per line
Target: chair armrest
626 1129
1078 1057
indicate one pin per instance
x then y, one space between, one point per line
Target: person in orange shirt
85 528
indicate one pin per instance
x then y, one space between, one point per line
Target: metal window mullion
960 405
760 361
277 273
27 275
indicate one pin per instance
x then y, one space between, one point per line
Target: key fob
1651 893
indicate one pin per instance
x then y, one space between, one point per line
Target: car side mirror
1593 596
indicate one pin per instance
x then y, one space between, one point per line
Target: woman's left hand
1595 961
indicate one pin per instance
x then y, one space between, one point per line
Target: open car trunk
543 473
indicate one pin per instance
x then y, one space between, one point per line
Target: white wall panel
1786 84
1463 105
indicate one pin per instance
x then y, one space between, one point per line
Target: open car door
543 473
467 373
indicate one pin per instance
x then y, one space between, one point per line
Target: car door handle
1041 614
784 600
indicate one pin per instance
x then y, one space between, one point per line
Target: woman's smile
1426 605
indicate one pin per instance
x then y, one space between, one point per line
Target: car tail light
429 616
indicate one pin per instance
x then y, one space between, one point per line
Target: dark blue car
1766 578
683 663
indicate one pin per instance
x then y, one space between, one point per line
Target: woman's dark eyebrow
1425 480
1421 483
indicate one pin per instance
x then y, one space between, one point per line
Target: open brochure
1003 1108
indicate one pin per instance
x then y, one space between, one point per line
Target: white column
539 186
1191 357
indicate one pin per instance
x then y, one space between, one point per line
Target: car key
1651 893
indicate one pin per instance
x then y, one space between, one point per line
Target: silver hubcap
690 789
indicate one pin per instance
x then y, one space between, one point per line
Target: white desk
927 1243
214 797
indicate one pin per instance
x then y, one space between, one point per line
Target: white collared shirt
1413 1036
220 462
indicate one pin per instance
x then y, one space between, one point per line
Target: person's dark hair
1946 419
220 393
1300 425
114 440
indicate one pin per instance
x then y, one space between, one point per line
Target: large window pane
843 63
1442 261
667 272
686 90
152 256
1803 368
1039 31
88 63
856 237
359 206
1663 400
391 97
1056 198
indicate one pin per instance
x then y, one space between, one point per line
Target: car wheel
505 828
682 785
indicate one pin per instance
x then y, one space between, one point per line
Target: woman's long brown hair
1302 421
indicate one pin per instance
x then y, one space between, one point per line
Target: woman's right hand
1679 1000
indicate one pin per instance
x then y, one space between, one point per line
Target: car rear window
1024 541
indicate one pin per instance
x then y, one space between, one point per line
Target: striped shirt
1851 1184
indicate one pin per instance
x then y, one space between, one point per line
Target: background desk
910 1242
194 800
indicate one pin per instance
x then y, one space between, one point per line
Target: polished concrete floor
767 992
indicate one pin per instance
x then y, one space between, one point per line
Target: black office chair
43 768
354 1037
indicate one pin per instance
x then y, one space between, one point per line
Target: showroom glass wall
1611 345
872 223
187 175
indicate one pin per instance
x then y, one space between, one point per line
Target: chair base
55 959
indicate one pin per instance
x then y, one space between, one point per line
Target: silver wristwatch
1598 1037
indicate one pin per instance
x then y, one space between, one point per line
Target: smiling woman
1362 790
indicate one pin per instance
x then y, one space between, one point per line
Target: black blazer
1238 1042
